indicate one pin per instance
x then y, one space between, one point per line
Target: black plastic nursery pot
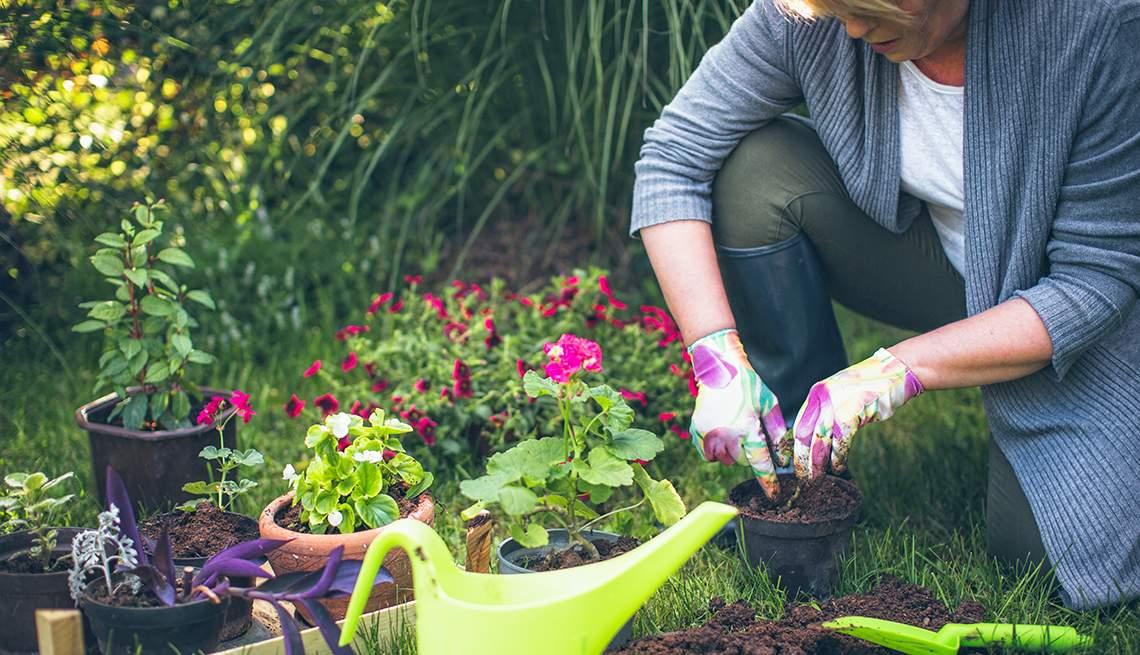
21 594
189 628
513 556
804 556
153 465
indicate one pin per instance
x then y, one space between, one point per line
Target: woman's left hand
837 407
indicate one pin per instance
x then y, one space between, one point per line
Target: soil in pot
733 628
801 535
577 555
201 534
25 587
125 623
25 564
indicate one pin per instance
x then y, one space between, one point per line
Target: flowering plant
354 468
31 501
451 362
597 452
146 325
224 491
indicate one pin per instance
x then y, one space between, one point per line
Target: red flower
521 367
240 401
397 399
479 292
328 404
550 311
492 339
692 384
312 370
436 303
636 396
421 385
498 420
640 461
525 301
569 355
370 369
343 443
451 329
460 371
426 429
571 281
388 454
210 411
294 406
379 386
379 302
413 280
358 409
445 393
349 362
412 415
349 331
462 388
677 430
665 417
396 306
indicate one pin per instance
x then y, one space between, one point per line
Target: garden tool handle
1033 638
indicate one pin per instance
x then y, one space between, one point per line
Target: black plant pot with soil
21 594
153 465
801 536
122 630
514 558
200 535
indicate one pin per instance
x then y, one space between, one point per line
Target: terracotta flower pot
309 552
153 465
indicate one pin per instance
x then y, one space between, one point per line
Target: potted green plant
207 524
561 479
143 603
33 554
358 480
143 427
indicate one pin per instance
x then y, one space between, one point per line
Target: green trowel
916 641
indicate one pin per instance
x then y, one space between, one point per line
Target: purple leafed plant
212 582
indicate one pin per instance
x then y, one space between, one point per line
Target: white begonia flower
289 473
339 423
373 456
335 517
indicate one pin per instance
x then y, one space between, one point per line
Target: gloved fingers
759 457
722 444
813 432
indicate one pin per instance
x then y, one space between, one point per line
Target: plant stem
639 503
222 482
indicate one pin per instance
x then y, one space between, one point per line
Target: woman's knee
767 171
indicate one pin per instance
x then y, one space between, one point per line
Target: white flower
372 456
339 423
335 517
290 473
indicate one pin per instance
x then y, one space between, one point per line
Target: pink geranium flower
665 417
413 280
328 404
635 396
379 302
349 362
294 406
604 287
312 370
396 306
210 411
421 385
571 354
240 401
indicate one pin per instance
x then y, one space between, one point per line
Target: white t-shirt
930 134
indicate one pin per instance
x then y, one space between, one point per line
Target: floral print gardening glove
837 407
737 418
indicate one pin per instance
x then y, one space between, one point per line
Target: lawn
923 475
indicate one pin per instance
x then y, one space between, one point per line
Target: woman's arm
1003 343
684 261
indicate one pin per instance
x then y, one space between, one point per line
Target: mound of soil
25 563
799 501
122 595
733 629
205 532
577 555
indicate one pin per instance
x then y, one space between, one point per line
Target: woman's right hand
737 418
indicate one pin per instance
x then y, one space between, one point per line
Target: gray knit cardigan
1052 207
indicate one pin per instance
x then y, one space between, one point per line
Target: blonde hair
887 10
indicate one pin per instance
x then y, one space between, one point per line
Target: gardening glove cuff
837 407
737 419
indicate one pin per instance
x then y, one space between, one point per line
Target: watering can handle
1035 638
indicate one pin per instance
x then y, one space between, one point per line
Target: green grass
923 474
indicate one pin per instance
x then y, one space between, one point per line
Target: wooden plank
59 632
383 623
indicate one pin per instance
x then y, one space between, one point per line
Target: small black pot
511 553
804 556
153 465
24 593
189 628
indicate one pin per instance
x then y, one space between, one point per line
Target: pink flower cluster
571 354
237 399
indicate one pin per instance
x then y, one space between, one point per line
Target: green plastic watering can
916 641
568 612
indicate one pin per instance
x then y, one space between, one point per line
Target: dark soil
290 519
814 501
576 555
205 532
123 596
733 630
25 563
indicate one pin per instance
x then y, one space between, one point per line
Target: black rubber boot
783 314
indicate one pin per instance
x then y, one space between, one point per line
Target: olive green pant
780 182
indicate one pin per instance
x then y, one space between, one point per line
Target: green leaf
176 257
199 488
55 482
138 256
485 488
137 276
15 480
533 537
202 298
517 501
369 479
156 306
421 486
108 264
666 502
135 411
142 214
158 404
108 310
165 280
409 470
465 515
180 405
145 237
636 444
617 415
599 493
211 453
199 357
184 347
604 469
157 374
249 458
138 361
130 347
325 501
88 326
317 434
111 239
535 385
378 511
529 459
